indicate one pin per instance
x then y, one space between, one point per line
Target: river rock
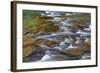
86 56
73 51
35 55
27 50
52 56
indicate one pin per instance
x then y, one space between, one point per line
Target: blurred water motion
56 36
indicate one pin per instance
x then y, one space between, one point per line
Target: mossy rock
78 51
27 50
50 43
28 40
74 52
85 47
28 44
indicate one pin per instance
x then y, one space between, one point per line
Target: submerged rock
35 55
73 51
86 56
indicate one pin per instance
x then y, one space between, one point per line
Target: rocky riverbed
71 41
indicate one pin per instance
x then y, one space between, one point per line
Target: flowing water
68 45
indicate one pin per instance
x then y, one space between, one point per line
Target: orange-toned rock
27 50
74 52
28 40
